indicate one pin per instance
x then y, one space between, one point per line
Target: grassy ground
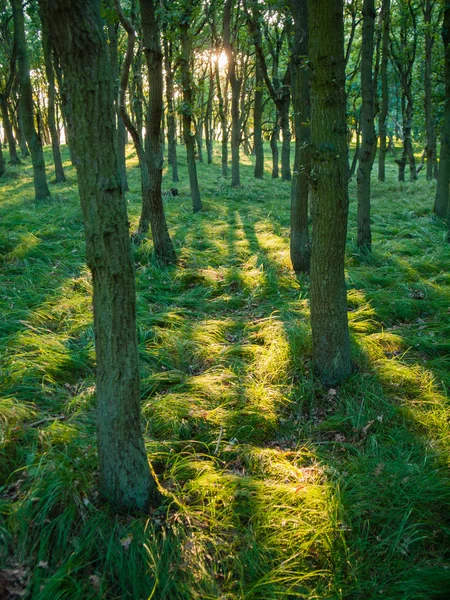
274 486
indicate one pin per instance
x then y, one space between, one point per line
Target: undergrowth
274 487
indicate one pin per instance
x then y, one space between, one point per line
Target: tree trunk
223 122
430 148
171 119
299 242
26 101
235 83
329 191
209 117
54 134
189 137
285 129
274 145
125 477
2 161
368 138
152 204
385 11
441 203
13 156
114 58
257 123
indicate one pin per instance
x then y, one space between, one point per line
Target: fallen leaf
126 541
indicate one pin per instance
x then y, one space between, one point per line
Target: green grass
274 487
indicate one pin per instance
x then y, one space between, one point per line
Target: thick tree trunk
299 242
235 83
189 136
26 104
368 141
385 11
441 203
125 477
54 134
171 119
257 123
152 204
329 191
12 147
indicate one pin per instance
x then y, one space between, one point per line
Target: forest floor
274 487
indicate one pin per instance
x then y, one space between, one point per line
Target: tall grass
273 486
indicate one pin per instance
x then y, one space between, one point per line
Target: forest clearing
224 299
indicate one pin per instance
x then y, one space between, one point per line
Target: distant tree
329 190
77 31
26 100
441 204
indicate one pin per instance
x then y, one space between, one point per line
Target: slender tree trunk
430 148
329 191
223 122
26 100
114 58
199 127
441 203
152 204
209 116
368 141
13 156
385 11
274 146
285 129
235 83
299 242
77 27
54 134
189 137
171 119
2 162
257 122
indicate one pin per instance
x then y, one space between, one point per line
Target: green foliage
273 486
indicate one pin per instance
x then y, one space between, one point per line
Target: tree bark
189 137
368 137
26 104
299 241
274 136
12 147
209 117
441 203
125 477
54 134
385 11
329 191
223 121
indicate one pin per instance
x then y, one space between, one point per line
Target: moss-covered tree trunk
385 13
26 104
54 134
441 203
299 241
368 137
257 122
188 134
329 191
77 31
